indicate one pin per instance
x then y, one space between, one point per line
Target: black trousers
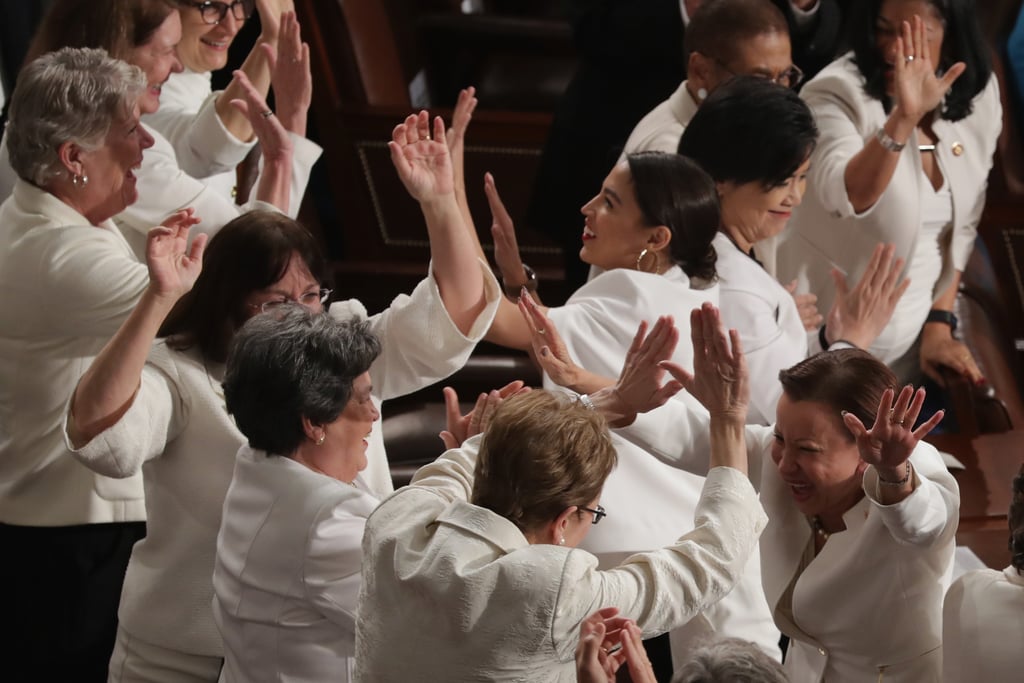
59 591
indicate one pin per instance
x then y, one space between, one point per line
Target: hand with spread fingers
606 643
461 427
858 315
423 162
918 90
892 438
641 385
549 350
173 265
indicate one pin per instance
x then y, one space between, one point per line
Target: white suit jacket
65 288
660 129
869 605
178 432
826 230
286 579
983 627
597 324
454 592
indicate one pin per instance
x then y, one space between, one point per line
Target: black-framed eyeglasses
309 299
214 12
598 512
790 78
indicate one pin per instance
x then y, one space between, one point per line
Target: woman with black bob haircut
909 121
159 407
755 139
298 385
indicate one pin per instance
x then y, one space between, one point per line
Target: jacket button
958 149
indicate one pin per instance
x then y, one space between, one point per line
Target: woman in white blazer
859 545
166 416
909 121
981 618
289 550
473 573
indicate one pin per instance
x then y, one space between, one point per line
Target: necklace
819 528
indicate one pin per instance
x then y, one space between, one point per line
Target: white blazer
286 579
825 229
660 129
983 627
869 605
454 592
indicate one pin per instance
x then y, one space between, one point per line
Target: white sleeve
202 145
334 558
451 475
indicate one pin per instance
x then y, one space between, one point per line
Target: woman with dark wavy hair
982 627
909 120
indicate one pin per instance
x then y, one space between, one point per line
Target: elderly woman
67 280
288 551
909 121
147 34
849 508
166 416
473 572
981 624
755 139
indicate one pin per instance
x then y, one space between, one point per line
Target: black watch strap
937 315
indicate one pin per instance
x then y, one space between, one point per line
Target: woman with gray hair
290 537
67 280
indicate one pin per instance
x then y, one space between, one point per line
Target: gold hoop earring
656 270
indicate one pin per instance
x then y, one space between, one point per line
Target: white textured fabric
178 432
287 575
650 502
982 628
826 230
454 592
65 288
660 129
870 603
766 316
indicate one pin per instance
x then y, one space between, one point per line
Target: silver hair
71 95
284 366
730 660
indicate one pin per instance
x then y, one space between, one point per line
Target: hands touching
597 658
806 306
858 315
270 12
892 438
274 142
918 90
461 427
173 265
719 380
423 164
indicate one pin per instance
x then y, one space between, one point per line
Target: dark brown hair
248 254
718 27
848 380
117 26
541 454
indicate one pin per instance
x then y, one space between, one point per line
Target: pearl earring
320 439
562 542
702 93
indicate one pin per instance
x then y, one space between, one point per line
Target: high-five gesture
423 163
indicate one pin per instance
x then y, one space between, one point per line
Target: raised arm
859 314
424 166
107 388
274 185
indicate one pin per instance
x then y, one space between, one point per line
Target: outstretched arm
424 166
858 315
274 186
108 387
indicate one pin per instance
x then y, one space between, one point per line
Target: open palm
173 265
423 164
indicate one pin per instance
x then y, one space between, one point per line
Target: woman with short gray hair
298 386
67 281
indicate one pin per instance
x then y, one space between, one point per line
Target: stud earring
562 541
320 439
702 94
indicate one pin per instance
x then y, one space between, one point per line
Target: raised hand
423 164
290 75
270 12
548 348
892 438
859 315
173 265
806 306
918 90
720 379
461 117
274 141
460 427
506 247
641 384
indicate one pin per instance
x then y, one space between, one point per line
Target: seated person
473 571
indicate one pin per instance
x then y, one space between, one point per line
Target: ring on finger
541 330
266 114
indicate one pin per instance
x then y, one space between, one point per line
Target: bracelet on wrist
901 482
885 140
586 402
937 315
512 290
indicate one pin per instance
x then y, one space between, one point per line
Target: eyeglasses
790 78
598 512
309 299
214 12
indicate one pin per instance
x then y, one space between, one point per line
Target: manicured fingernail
843 413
